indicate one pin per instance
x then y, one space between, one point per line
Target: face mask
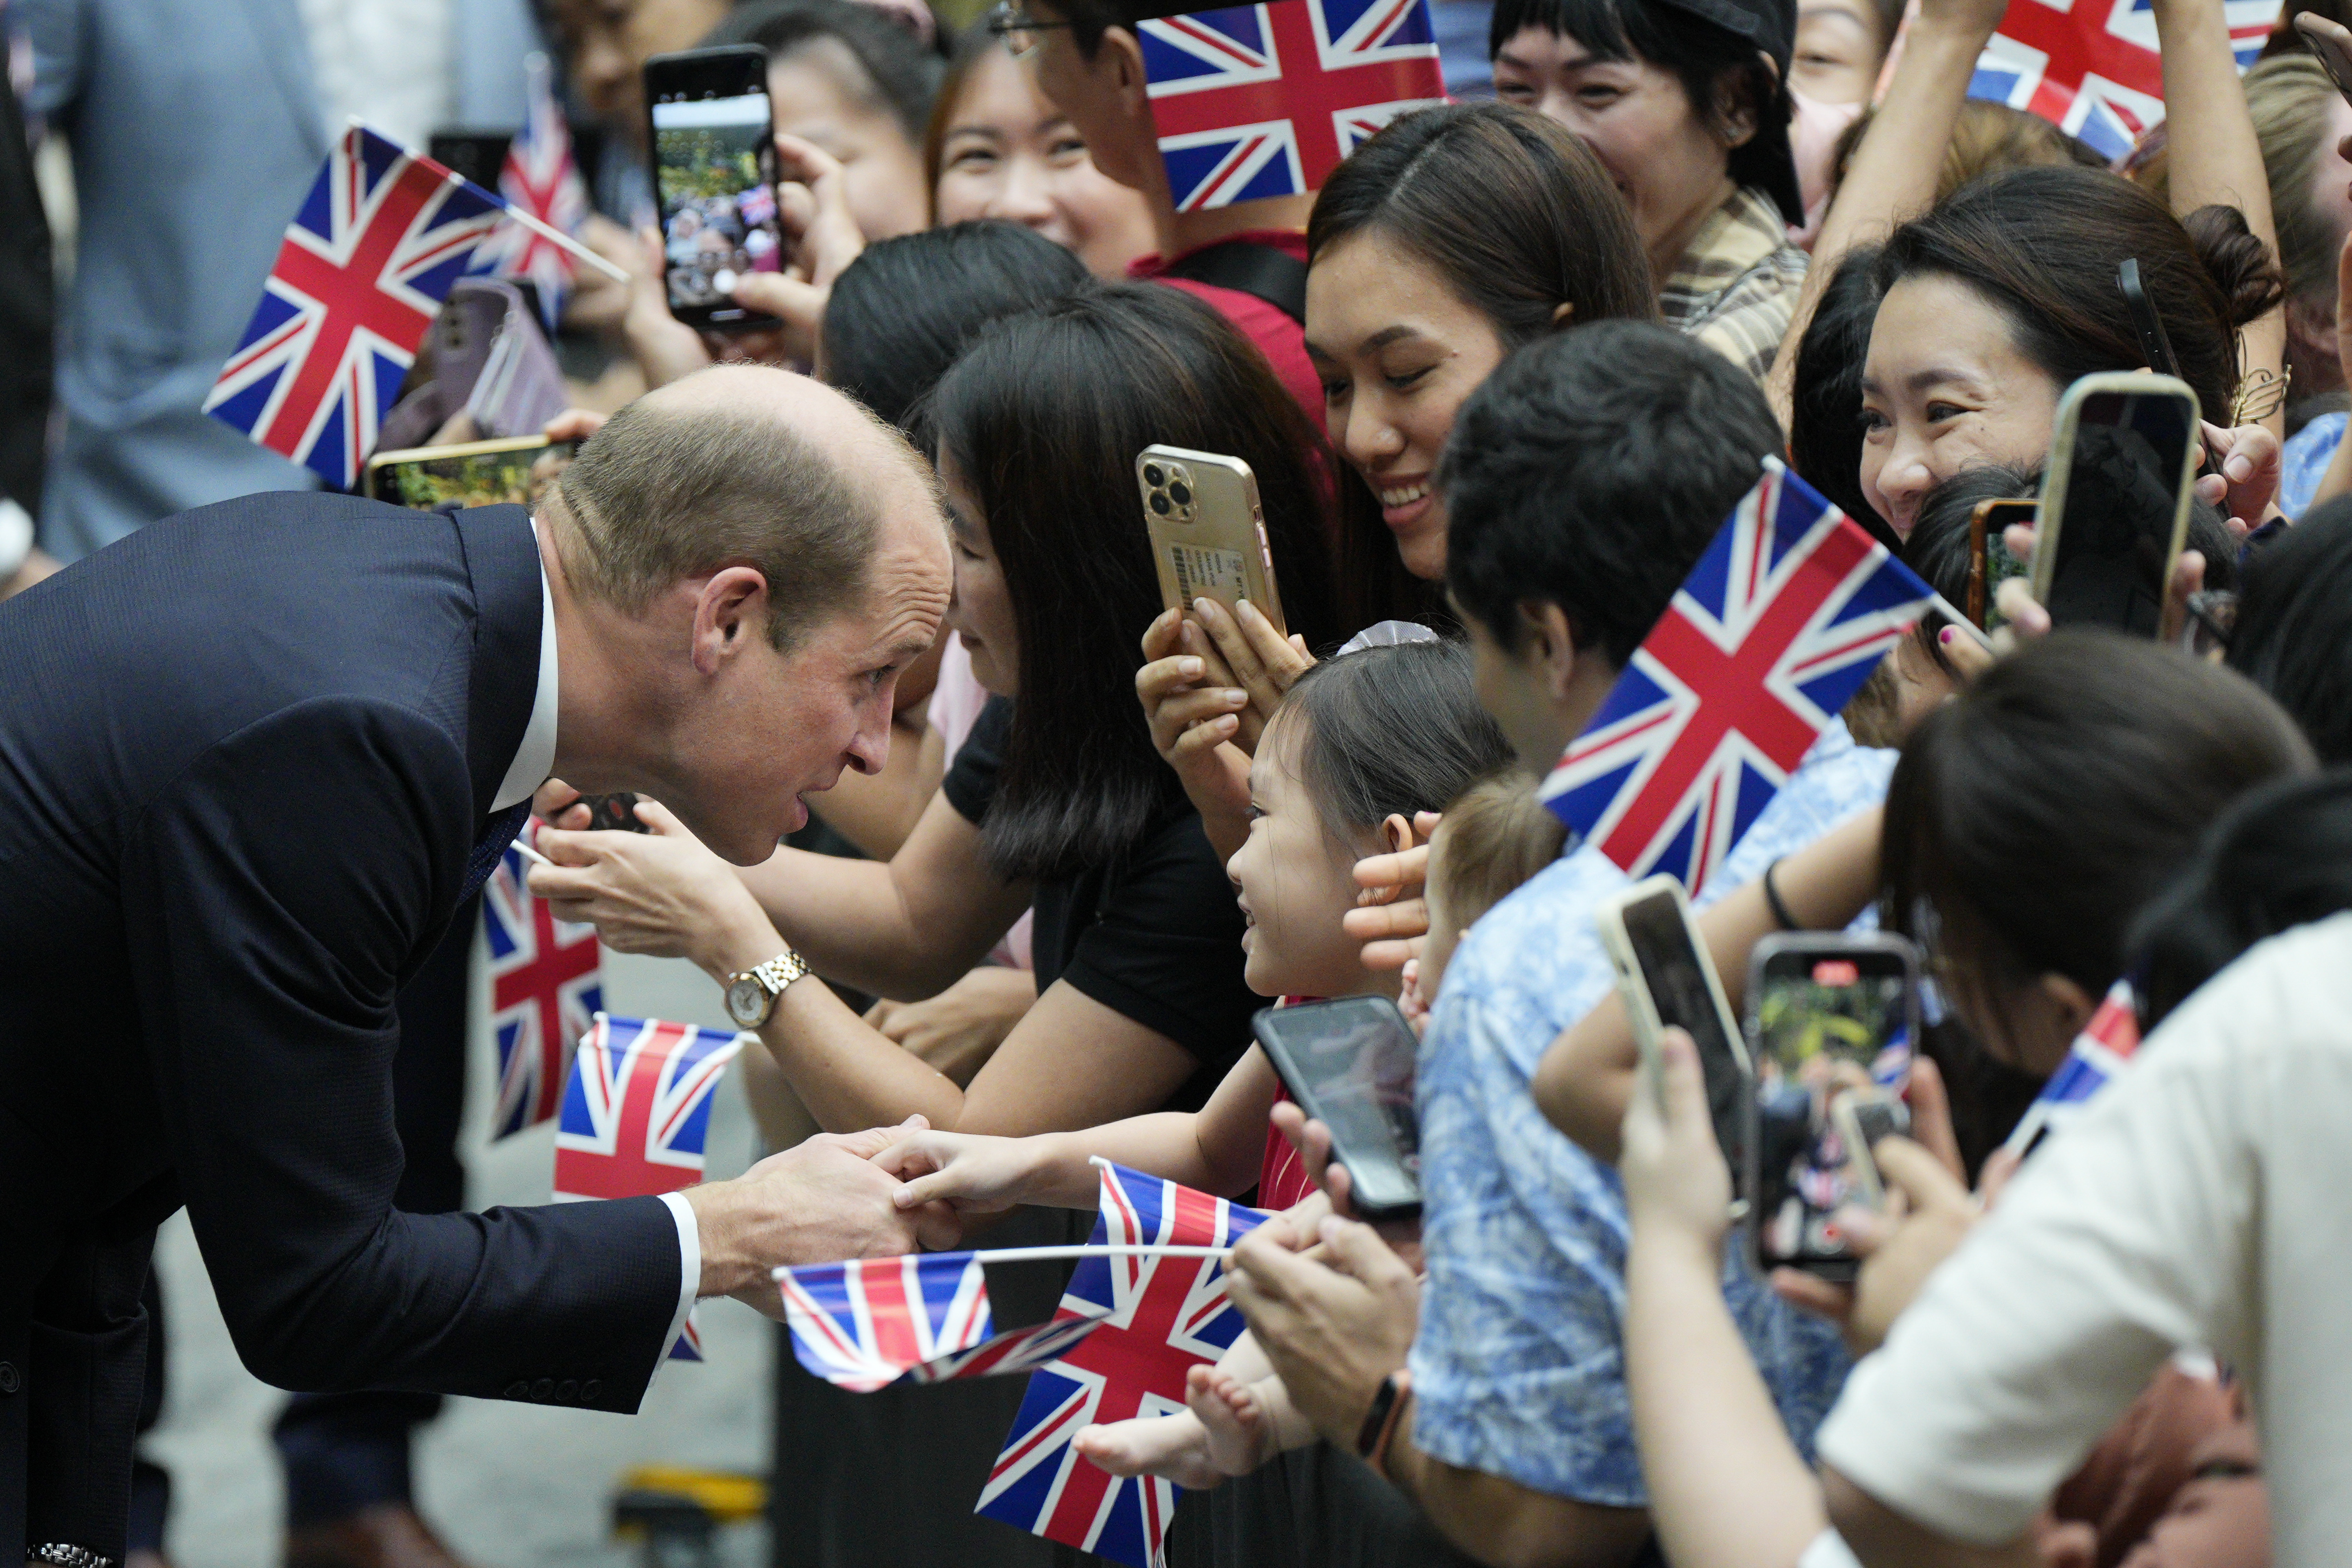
1813 135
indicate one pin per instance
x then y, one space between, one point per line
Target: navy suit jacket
244 757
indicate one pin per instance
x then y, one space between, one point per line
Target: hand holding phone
1350 1064
1989 562
714 178
1832 1023
2331 44
1666 978
2114 500
1207 531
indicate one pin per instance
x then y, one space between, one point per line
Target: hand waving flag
923 1319
1777 626
2090 66
363 267
546 986
635 1113
1253 101
1161 1317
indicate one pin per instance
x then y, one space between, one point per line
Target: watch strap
780 971
1373 1435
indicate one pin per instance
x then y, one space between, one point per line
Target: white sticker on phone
1206 574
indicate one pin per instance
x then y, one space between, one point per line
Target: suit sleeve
275 895
59 32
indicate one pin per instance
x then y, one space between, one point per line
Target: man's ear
1545 642
730 613
1120 55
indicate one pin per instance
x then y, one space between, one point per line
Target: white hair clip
1386 634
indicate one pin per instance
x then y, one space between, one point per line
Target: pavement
508 1485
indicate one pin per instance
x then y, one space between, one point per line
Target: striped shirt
1736 288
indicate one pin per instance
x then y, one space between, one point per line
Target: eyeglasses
1018 28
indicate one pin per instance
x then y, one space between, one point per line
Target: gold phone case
481 473
1207 530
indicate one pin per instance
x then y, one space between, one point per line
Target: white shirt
534 761
387 62
2205 1199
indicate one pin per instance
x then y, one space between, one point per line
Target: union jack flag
362 268
637 1108
923 1319
538 178
1254 101
546 984
1161 1317
1777 626
2098 1056
2091 67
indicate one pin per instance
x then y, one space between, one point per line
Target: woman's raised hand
1193 709
658 893
1262 662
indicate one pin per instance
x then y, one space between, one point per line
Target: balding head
739 465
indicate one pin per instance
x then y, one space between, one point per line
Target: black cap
1771 26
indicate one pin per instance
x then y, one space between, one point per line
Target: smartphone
1208 531
473 473
1668 978
1828 1016
1862 1117
1348 1063
714 144
1989 562
615 813
2155 346
2114 500
2331 42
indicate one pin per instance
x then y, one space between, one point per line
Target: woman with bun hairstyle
1998 300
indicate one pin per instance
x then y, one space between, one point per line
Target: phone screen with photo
712 155
1826 1020
2121 509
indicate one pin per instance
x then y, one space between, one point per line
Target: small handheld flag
638 1107
362 268
1159 1317
1253 101
1776 628
2097 1058
924 1319
538 178
546 986
2091 67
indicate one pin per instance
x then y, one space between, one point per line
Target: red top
1281 1179
1282 339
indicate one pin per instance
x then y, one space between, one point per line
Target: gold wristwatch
751 994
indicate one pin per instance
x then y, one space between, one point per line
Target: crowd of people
1500 381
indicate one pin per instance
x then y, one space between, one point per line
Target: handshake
818 1202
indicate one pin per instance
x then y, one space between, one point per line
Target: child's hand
972 1172
1676 1183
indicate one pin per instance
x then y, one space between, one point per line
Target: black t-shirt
1154 936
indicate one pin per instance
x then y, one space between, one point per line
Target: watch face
747 1001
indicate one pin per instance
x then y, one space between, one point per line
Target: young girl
1363 741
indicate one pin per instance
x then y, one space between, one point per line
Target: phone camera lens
1181 493
1159 502
1152 476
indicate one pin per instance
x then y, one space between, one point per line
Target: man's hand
1332 1331
822 1200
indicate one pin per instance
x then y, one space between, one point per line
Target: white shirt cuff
689 1265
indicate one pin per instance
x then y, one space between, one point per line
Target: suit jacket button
543 1388
518 1390
592 1388
10 1379
568 1390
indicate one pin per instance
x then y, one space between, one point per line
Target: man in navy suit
254 757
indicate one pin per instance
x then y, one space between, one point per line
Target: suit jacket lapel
502 558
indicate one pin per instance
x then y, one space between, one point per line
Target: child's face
1294 884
